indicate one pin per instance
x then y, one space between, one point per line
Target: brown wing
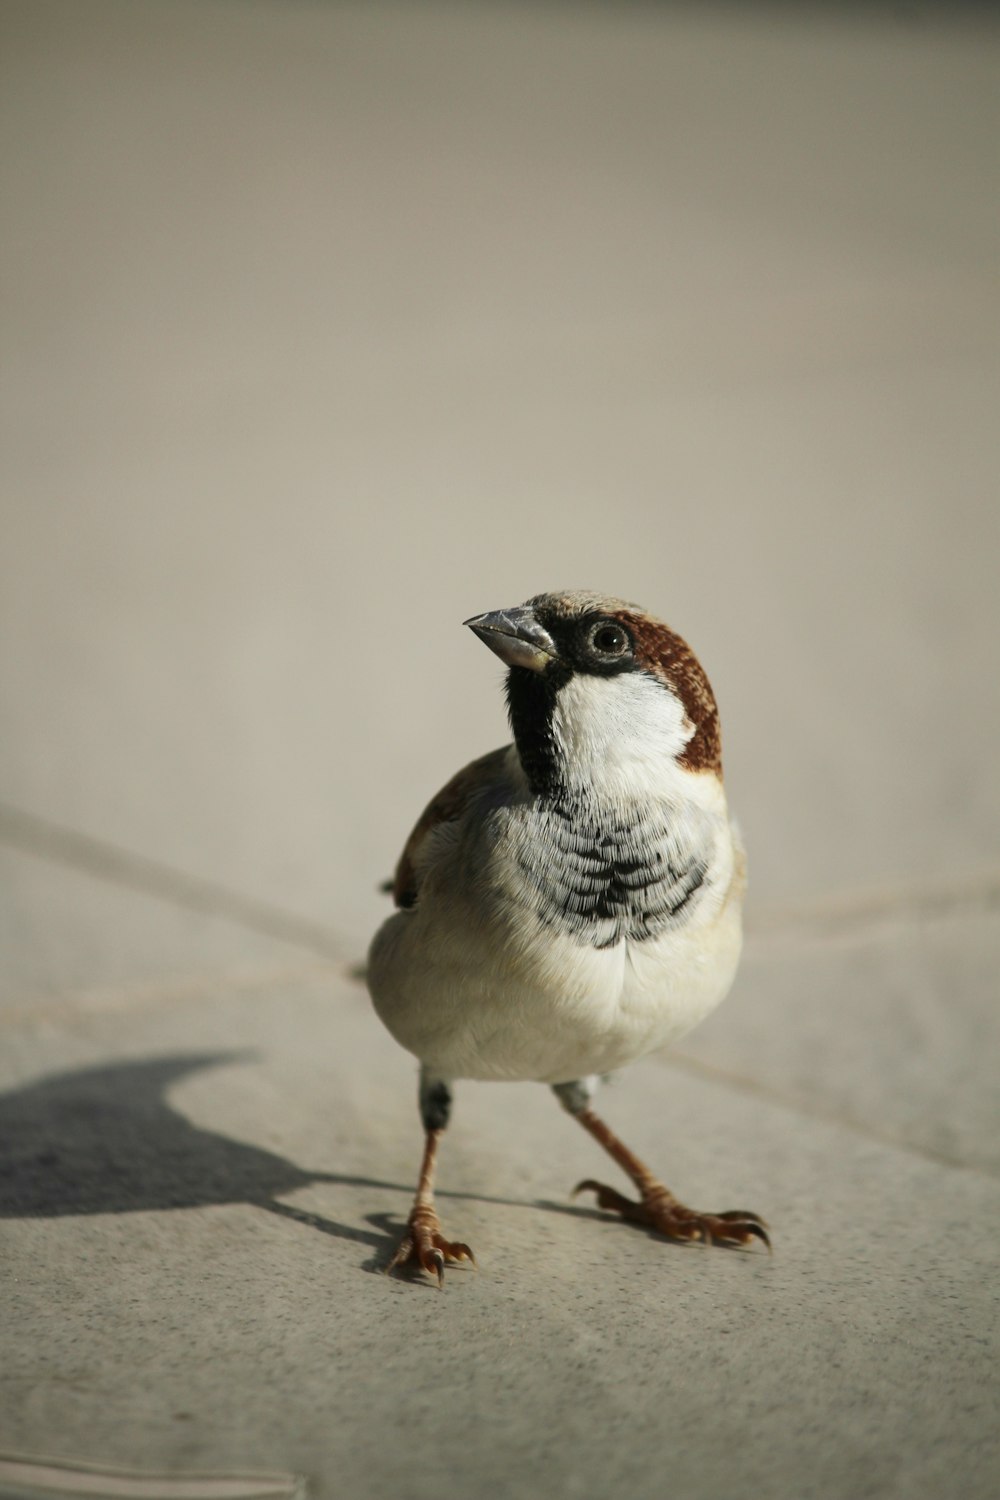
449 804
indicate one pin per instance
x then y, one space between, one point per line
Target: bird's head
601 692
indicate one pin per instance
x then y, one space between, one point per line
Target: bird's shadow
106 1140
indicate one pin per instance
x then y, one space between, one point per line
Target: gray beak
516 637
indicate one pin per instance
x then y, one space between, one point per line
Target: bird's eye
608 639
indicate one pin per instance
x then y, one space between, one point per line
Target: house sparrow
572 901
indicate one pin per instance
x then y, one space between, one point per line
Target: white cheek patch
626 726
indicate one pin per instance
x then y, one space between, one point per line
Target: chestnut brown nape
670 656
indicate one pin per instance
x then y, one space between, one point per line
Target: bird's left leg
424 1246
657 1207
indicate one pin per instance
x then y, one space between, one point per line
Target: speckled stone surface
894 1026
325 327
197 1236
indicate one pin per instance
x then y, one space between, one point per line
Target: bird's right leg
657 1207
424 1247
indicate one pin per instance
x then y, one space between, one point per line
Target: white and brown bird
572 901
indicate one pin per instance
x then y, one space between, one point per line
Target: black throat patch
531 701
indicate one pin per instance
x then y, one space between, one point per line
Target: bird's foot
424 1247
658 1209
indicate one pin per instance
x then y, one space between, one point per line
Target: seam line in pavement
69 1006
845 915
853 913
80 1005
743 1084
83 1004
34 835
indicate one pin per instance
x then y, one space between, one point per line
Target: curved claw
743 1213
753 1229
432 1261
751 1224
402 1253
607 1197
430 1252
737 1230
660 1211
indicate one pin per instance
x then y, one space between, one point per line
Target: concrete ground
325 327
